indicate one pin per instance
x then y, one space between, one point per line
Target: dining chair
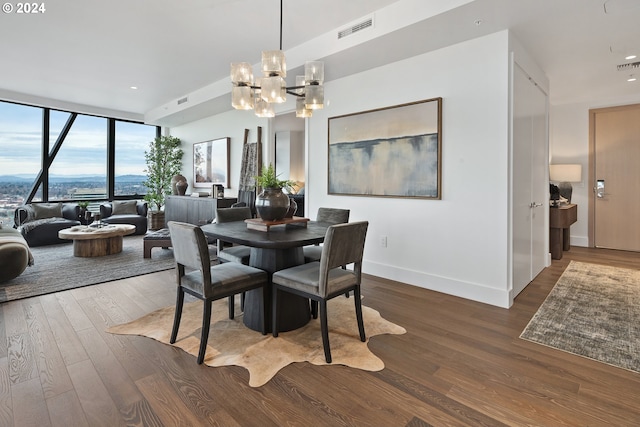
312 253
329 215
325 279
236 253
233 253
204 281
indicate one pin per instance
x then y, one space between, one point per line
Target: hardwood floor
460 363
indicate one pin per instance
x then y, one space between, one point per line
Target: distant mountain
14 178
131 178
22 178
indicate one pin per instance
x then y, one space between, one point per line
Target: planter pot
272 204
155 220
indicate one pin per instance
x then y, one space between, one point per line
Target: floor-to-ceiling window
51 155
79 169
131 141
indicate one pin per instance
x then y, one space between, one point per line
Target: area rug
56 269
232 343
592 311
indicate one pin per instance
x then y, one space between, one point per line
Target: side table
560 219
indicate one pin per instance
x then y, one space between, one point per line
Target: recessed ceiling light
630 57
631 79
134 87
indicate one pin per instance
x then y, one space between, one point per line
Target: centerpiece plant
269 179
272 204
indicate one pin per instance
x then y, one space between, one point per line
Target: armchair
39 223
125 212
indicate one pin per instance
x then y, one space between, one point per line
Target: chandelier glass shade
260 94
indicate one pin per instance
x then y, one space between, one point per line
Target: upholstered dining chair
312 253
325 279
204 281
237 253
332 216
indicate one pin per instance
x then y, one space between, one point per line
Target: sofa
39 223
15 255
132 212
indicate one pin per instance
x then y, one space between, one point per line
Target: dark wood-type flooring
460 363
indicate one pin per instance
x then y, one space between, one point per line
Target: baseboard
468 290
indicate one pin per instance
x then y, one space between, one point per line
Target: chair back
190 248
343 244
333 215
232 214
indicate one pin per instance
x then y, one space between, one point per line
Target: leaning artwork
388 152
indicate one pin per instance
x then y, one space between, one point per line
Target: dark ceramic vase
174 182
272 204
181 187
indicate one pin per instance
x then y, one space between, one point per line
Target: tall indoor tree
164 161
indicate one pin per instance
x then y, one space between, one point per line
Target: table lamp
564 175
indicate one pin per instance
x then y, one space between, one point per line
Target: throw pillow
47 210
126 207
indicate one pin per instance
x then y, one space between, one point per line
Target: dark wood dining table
273 250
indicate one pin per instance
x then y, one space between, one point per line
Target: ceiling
89 54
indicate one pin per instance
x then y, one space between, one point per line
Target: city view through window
79 169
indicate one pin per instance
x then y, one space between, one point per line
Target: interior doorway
614 173
289 154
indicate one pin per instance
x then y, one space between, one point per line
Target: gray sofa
39 223
15 255
125 212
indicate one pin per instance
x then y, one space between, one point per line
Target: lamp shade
273 89
241 73
565 173
274 63
314 97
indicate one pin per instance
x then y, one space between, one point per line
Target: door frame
591 222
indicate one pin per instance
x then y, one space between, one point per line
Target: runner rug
232 343
56 269
592 311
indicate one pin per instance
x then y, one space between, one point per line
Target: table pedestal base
295 311
97 247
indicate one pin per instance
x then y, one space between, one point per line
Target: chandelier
260 94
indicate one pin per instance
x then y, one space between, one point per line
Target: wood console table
560 219
194 210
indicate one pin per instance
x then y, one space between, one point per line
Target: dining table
276 249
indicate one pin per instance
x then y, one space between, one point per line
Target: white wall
456 245
569 143
231 124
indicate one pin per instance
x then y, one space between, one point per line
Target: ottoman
156 239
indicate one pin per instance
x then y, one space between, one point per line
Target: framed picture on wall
388 152
211 163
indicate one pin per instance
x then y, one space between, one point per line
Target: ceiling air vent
182 100
355 28
629 66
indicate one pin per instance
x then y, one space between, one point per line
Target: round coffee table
96 241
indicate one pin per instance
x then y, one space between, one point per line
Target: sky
84 151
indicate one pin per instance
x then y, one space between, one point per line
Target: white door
530 192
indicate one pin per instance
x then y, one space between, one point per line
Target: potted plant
164 161
83 211
272 204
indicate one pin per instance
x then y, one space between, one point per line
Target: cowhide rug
232 343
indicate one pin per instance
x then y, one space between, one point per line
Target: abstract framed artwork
211 163
388 152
